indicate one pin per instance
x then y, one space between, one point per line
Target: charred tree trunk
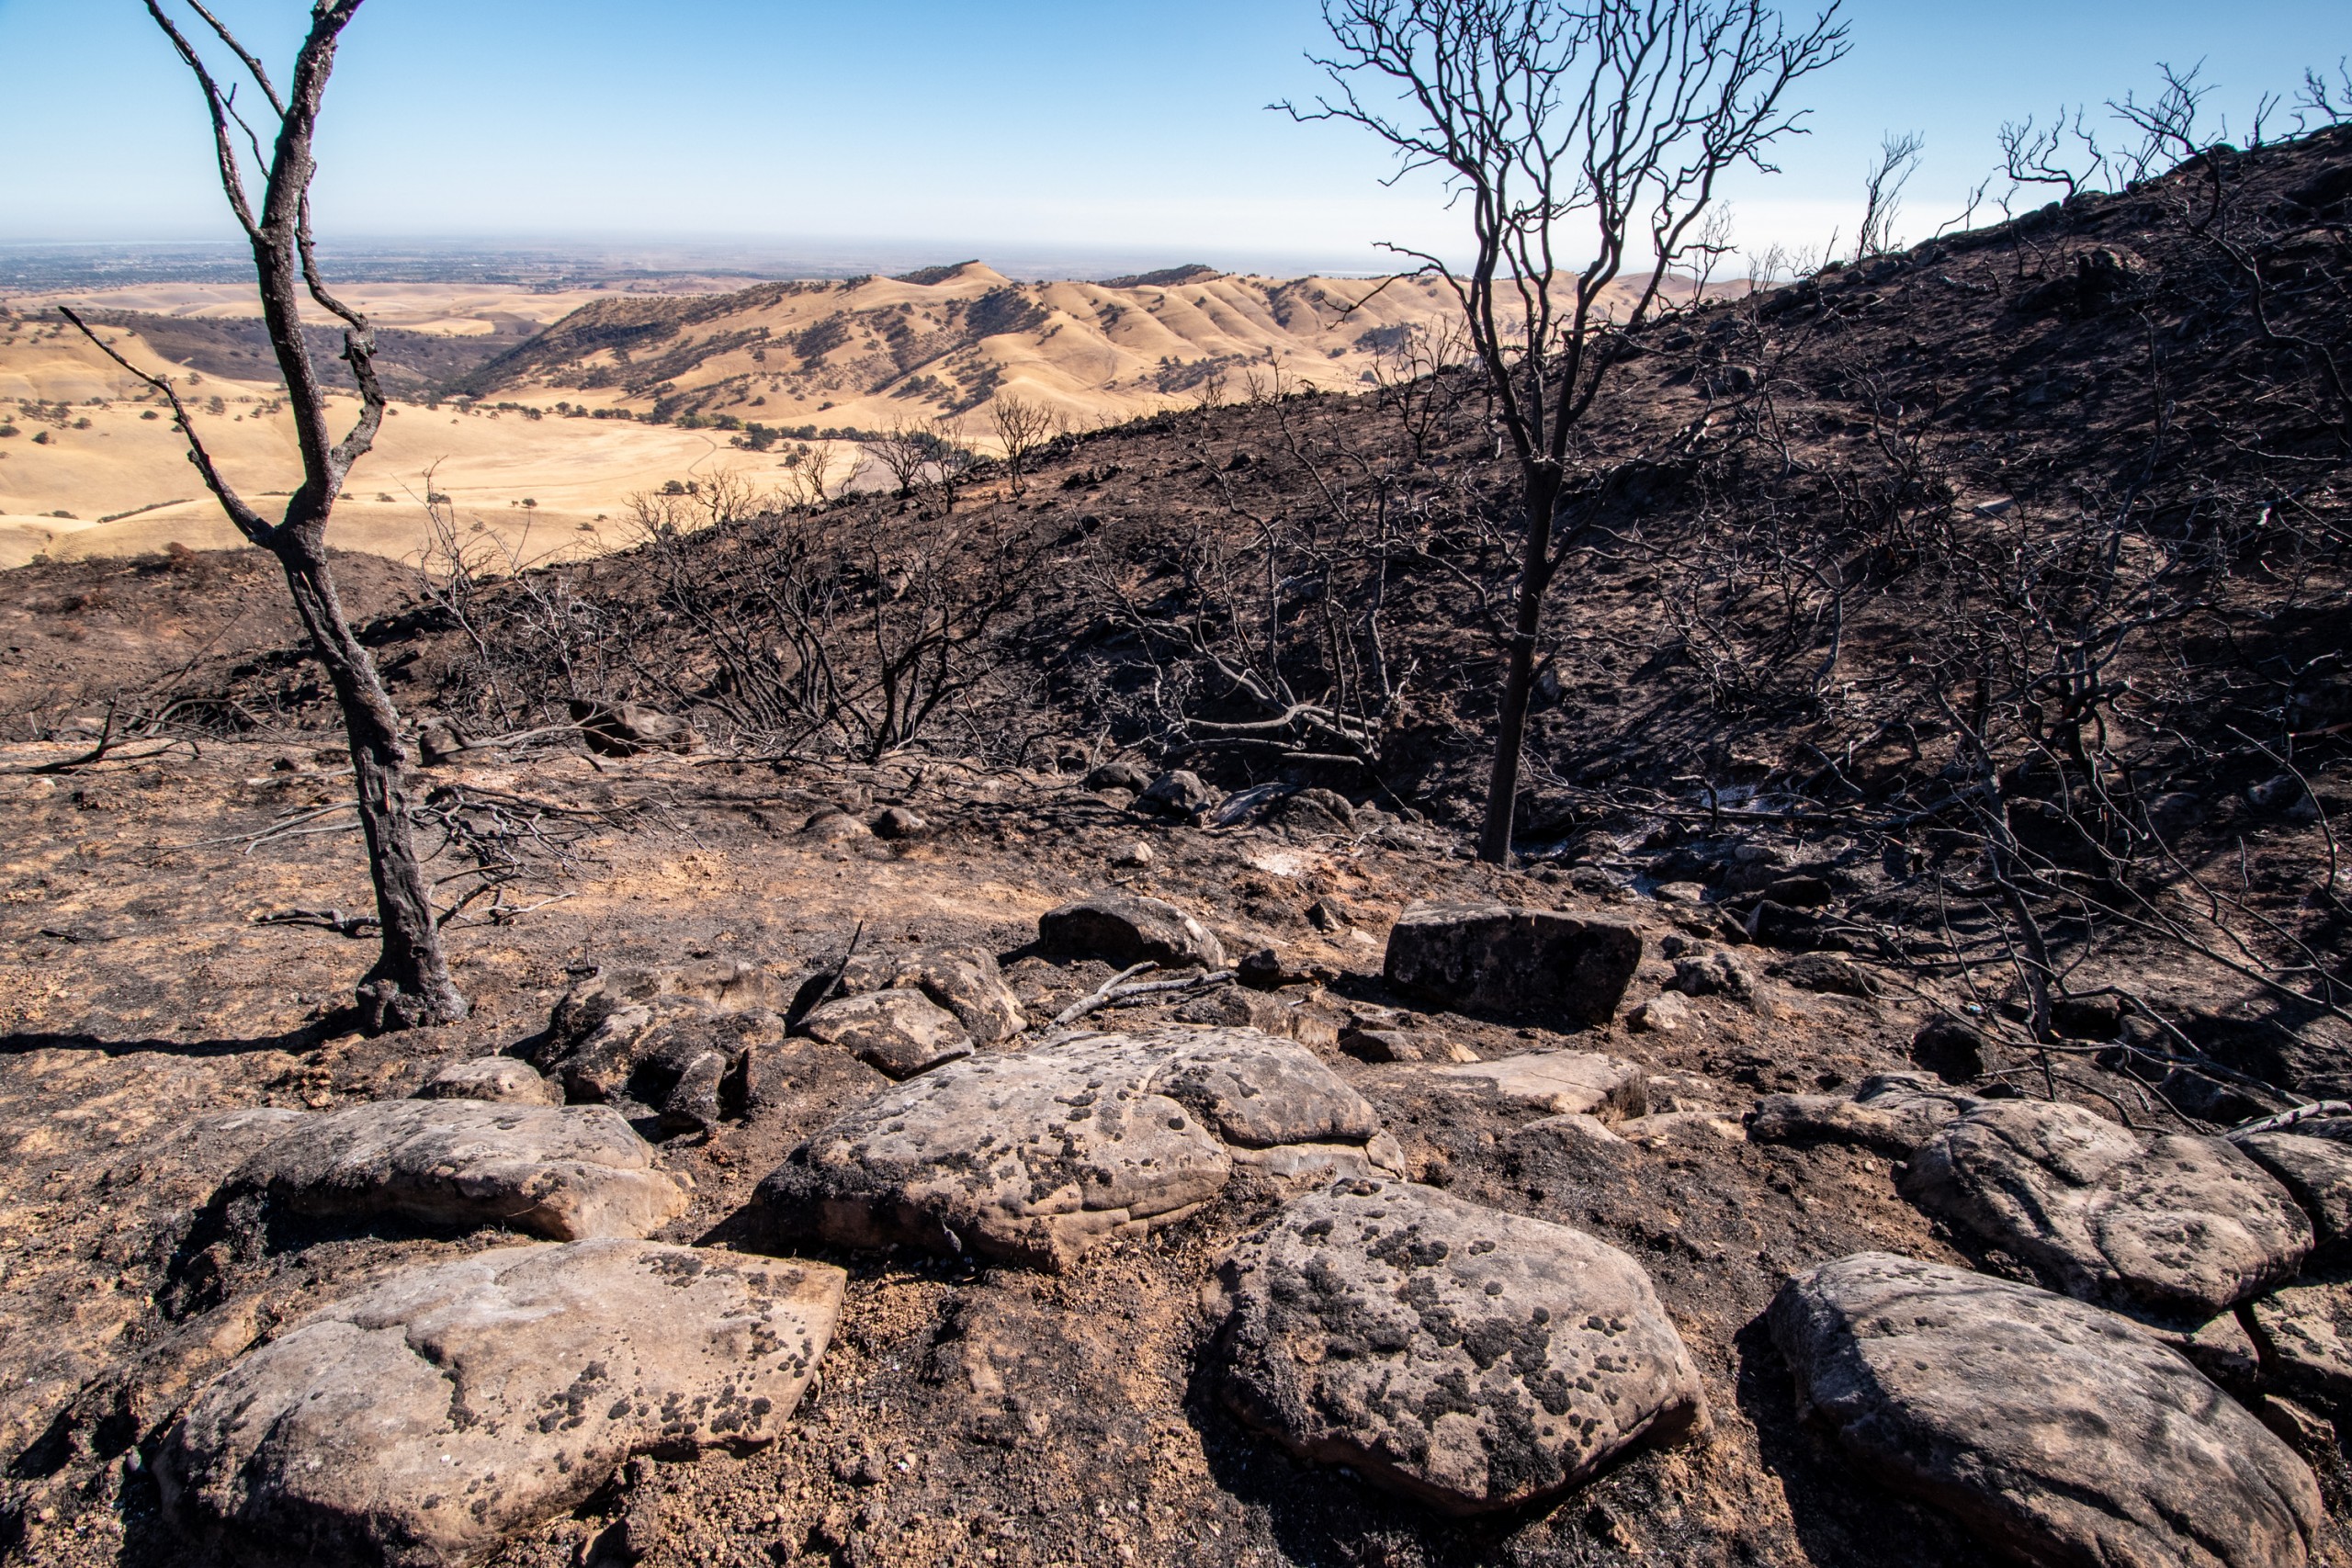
409 984
1542 490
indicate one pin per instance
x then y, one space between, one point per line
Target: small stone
1665 1013
1713 974
1403 1045
1472 1358
1125 928
1690 895
1798 891
692 1104
1952 1050
625 729
2052 1430
897 822
1132 856
961 978
1826 973
492 1078
1122 773
902 1032
1514 962
1178 794
1560 1082
832 825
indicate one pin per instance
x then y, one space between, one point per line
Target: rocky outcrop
563 1172
423 1421
1473 1358
963 979
2168 1223
2318 1171
2306 1340
899 1031
1035 1157
1127 928
1513 962
1892 1113
2057 1432
662 1038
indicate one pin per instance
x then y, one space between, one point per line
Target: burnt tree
1624 113
409 984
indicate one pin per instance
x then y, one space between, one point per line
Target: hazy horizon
1045 131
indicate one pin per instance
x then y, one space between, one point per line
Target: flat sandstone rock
1561 1082
563 1172
1892 1113
1473 1358
423 1421
901 1031
2056 1431
2172 1225
501 1078
1517 962
1035 1157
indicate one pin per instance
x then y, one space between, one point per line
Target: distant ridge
932 276
1167 277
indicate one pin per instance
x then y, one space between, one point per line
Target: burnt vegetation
1976 609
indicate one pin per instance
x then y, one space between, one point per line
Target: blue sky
1024 128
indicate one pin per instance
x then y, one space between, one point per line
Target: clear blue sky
1022 125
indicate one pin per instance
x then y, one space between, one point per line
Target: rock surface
2307 1333
2170 1223
1473 1358
1127 928
625 729
2053 1430
632 1036
1892 1113
499 1078
1561 1082
900 1032
423 1421
2318 1171
563 1172
1517 962
963 979
1037 1156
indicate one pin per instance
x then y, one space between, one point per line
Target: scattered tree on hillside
1022 428
1622 112
409 983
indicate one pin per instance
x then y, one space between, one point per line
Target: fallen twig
1111 993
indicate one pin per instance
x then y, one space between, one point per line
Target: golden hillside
875 352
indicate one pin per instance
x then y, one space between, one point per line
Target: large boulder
1560 1083
1892 1113
1473 1358
2057 1432
899 1031
2170 1224
1127 928
563 1172
421 1422
1037 1157
1516 963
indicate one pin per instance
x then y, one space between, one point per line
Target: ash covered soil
966 1413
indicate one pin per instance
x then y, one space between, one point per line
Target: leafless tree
1897 161
1023 429
2065 152
409 983
1624 113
